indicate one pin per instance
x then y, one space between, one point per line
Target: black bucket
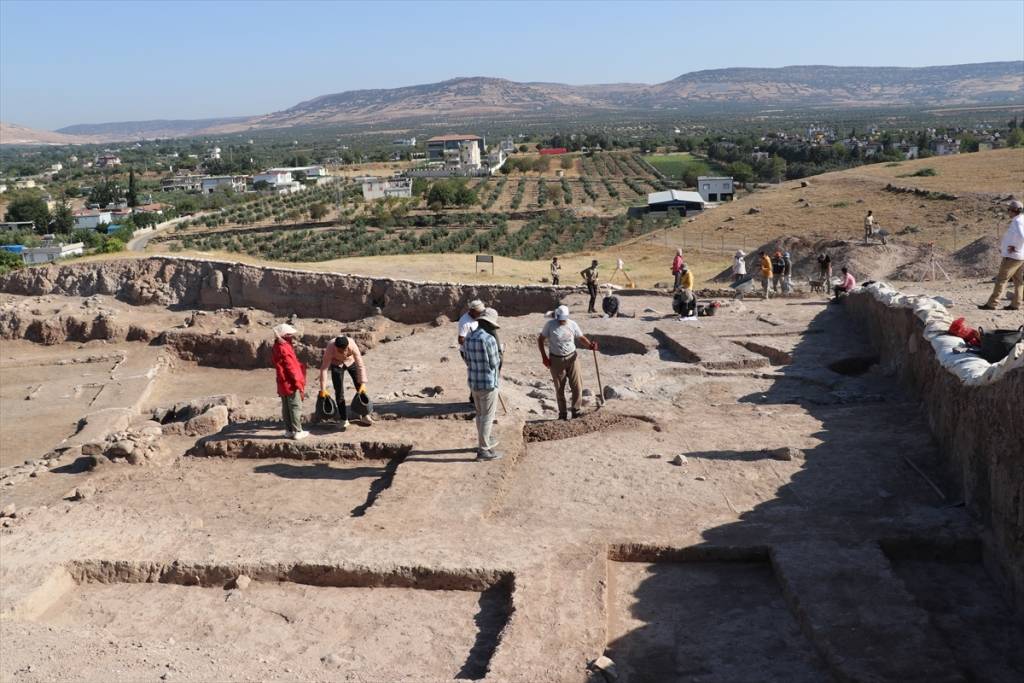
997 344
361 404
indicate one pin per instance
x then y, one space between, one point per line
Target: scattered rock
679 460
754 209
121 449
612 392
805 183
701 478
242 582
444 359
785 453
84 492
10 510
654 456
606 666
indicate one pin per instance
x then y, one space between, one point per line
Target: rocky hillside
723 89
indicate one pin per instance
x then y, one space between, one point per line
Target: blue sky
86 62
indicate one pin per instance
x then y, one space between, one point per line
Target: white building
469 154
215 154
211 184
56 167
279 179
404 142
52 251
715 188
108 161
90 220
315 171
382 188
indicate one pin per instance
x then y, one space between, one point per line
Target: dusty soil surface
388 553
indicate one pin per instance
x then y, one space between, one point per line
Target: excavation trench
598 421
305 609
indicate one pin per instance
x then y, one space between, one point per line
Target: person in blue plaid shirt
483 363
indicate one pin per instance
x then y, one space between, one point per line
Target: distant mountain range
715 90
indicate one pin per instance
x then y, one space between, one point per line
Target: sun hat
476 306
285 330
562 313
489 316
1015 204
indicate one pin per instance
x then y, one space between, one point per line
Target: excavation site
789 490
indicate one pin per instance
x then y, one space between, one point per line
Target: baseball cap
476 305
562 313
284 329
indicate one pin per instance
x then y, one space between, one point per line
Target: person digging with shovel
557 343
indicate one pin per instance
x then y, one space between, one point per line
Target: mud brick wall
980 430
196 283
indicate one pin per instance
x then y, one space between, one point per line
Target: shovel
600 385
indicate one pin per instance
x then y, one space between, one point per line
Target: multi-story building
382 188
715 188
183 183
438 145
211 184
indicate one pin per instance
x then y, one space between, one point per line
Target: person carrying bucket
343 356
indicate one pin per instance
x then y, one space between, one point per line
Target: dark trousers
592 289
338 380
838 291
554 280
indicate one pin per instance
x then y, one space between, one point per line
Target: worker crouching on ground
483 364
340 357
557 343
1012 265
291 381
846 286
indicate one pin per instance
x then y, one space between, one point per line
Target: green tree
133 197
105 192
63 219
112 245
523 148
777 168
741 172
1015 137
318 211
299 176
9 261
29 208
566 162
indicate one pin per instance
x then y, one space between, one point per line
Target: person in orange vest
766 273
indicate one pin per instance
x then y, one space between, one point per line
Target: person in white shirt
467 323
1012 265
557 344
739 266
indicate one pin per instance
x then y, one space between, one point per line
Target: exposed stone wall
979 429
195 283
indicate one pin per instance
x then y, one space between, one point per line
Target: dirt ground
783 544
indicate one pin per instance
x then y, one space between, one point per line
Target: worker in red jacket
291 381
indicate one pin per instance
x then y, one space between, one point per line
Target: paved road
139 243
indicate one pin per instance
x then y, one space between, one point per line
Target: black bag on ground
610 306
996 344
361 404
326 408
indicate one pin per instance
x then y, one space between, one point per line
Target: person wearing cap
677 268
555 269
739 266
341 356
467 322
590 278
557 343
483 364
1011 267
291 380
766 273
787 272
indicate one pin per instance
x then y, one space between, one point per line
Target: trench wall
197 283
979 429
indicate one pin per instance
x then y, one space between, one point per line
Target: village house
107 161
88 219
382 188
51 251
183 183
715 188
211 184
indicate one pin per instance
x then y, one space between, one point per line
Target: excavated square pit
703 614
322 618
967 608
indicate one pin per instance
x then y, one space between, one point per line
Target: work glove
362 388
323 393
